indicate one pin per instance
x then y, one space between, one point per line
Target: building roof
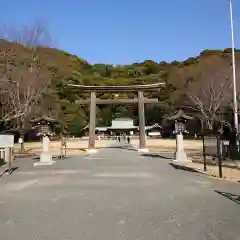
155 125
101 129
122 123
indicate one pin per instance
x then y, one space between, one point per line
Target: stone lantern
180 118
44 126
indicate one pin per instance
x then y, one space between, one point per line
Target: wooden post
204 154
65 146
10 161
141 117
91 143
219 156
61 154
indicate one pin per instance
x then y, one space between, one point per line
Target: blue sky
127 31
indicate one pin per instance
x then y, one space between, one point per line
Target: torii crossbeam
141 100
115 101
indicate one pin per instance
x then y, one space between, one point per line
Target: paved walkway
116 194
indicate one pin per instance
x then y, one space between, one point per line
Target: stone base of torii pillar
180 154
92 150
143 150
46 156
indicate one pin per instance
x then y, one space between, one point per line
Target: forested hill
66 68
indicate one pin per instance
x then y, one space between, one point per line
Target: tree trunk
210 124
22 147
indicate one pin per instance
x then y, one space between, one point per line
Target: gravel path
117 194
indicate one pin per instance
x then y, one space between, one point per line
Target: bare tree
28 36
209 90
23 77
231 105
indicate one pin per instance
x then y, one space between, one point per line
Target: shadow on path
155 155
9 171
125 147
36 159
233 197
182 167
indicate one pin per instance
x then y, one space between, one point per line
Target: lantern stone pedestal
180 119
46 156
44 124
180 154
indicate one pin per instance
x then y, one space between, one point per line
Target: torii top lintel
128 88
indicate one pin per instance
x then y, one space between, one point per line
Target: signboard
210 144
6 141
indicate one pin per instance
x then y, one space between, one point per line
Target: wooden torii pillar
141 101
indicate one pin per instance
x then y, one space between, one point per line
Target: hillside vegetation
198 84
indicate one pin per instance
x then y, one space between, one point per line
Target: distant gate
140 100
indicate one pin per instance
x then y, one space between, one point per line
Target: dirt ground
74 147
228 173
79 146
192 147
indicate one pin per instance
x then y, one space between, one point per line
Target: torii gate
141 100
